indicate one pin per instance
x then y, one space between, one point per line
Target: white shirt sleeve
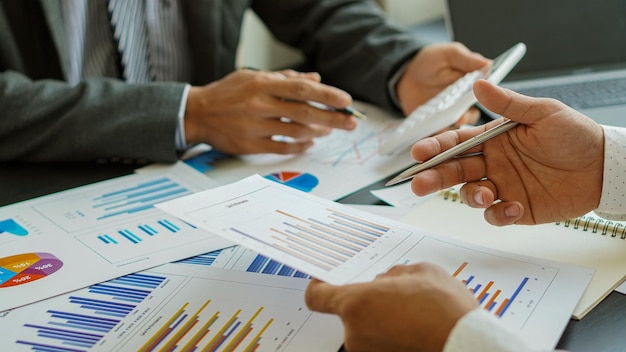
181 139
613 200
481 331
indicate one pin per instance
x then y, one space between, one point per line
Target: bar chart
103 205
149 234
320 238
78 321
228 335
325 242
242 259
511 293
229 316
487 294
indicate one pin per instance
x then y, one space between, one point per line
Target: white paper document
400 196
339 244
181 307
69 240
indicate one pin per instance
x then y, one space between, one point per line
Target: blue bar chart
77 212
242 259
138 198
150 234
80 320
119 221
138 233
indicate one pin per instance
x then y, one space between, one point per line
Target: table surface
600 330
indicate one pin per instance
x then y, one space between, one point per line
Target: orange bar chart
220 331
483 292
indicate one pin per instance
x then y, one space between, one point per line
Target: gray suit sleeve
349 42
48 120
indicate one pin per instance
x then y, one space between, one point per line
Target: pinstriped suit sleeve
47 120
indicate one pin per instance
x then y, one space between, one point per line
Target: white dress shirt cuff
181 140
613 199
480 330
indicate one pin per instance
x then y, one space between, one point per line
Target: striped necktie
128 18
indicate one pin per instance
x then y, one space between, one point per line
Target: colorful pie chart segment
298 180
28 267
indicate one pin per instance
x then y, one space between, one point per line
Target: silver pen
454 152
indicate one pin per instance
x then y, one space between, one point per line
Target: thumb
320 296
508 103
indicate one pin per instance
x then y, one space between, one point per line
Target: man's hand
243 112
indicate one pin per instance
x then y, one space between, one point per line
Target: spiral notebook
586 241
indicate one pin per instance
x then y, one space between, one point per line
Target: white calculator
446 108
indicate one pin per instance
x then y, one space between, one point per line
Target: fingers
452 172
426 148
448 174
295 130
480 194
313 76
464 59
504 213
290 91
305 113
297 86
319 296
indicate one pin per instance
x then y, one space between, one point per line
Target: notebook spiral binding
584 222
596 225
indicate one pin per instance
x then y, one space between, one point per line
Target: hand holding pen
250 112
548 167
348 110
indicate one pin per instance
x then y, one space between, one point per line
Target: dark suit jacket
42 118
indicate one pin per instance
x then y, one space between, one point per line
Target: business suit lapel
54 16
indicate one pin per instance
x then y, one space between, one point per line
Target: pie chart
28 267
298 180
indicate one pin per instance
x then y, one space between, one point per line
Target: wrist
193 106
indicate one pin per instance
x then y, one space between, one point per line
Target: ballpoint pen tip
359 115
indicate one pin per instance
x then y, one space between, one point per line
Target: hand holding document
339 245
